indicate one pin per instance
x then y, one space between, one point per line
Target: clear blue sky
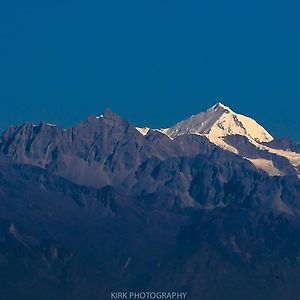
154 62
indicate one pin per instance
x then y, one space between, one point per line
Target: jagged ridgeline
209 206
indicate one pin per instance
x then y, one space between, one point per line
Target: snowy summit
217 122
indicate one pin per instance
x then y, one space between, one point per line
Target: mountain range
209 206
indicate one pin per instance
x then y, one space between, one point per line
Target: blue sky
153 62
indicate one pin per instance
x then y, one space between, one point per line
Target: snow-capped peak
220 105
220 121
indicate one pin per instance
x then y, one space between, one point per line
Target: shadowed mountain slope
102 207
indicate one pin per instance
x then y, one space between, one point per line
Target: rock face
104 207
104 150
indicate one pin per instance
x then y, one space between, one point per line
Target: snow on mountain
142 130
222 126
266 165
293 157
217 122
220 121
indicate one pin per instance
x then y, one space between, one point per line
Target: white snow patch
265 165
293 157
142 130
221 143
